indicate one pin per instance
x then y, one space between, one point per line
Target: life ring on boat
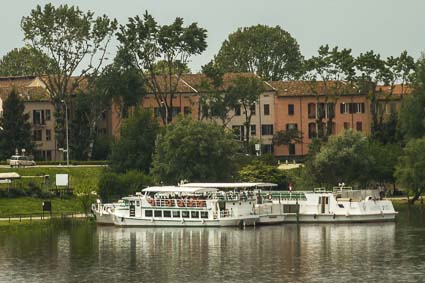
152 202
169 202
180 203
200 203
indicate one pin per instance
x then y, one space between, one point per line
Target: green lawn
82 179
27 206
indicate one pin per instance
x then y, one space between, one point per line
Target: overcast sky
386 26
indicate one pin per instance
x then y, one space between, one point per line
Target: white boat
185 206
338 205
103 211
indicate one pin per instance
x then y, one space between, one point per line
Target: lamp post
66 129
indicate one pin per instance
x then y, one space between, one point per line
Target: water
82 252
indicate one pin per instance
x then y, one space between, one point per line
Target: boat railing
191 203
284 195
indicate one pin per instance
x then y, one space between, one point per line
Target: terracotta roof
398 90
23 87
305 88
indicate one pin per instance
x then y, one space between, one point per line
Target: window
38 117
267 130
351 108
291 109
346 125
157 112
291 149
167 213
194 214
186 111
49 115
359 126
291 126
312 133
148 213
37 135
266 109
185 214
311 110
359 108
253 130
175 111
48 135
239 132
204 214
176 214
237 110
267 148
158 213
253 109
343 108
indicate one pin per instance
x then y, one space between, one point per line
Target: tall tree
270 52
194 151
371 71
15 131
246 92
71 38
23 61
330 74
410 172
147 43
136 145
287 137
411 122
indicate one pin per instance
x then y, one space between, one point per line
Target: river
82 252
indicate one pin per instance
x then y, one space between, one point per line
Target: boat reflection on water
294 252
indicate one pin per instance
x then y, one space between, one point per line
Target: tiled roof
305 88
23 86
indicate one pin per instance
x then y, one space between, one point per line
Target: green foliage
259 171
194 151
113 186
147 45
385 158
15 130
23 61
412 113
344 158
69 36
136 145
286 137
410 171
162 67
102 148
270 52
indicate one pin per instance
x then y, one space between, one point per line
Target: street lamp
66 129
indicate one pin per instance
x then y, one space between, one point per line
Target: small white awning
229 185
175 189
9 176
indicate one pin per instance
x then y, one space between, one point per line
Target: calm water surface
82 252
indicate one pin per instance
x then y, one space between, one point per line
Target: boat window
137 203
340 205
290 208
194 214
158 213
185 214
148 213
176 214
167 213
204 214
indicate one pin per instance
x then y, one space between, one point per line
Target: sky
386 26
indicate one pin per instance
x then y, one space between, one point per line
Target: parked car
21 160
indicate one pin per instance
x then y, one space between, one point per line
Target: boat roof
175 189
10 175
229 185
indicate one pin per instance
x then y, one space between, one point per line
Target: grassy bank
28 206
81 179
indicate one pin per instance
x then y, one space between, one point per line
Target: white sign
257 147
61 179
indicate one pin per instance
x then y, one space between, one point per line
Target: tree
136 145
344 158
15 131
162 68
410 171
287 137
146 44
246 92
23 61
260 172
411 122
194 151
330 74
270 52
69 37
371 71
